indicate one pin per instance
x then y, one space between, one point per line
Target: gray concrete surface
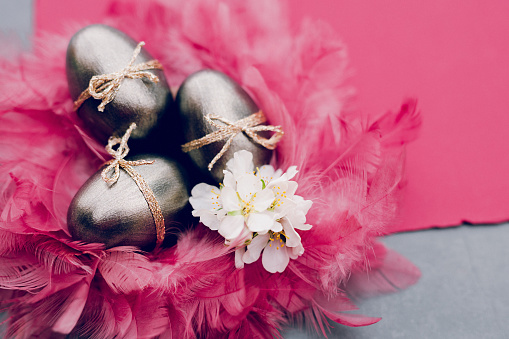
462 293
16 20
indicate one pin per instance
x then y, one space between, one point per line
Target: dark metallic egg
118 214
100 49
212 92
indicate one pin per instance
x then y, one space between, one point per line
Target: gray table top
462 292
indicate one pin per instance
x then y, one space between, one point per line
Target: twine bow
118 161
248 125
105 86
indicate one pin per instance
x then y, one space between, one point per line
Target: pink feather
389 272
58 256
22 274
152 315
125 269
71 312
350 165
99 311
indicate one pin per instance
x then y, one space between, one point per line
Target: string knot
118 161
104 87
118 156
249 125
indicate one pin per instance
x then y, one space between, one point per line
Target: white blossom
259 208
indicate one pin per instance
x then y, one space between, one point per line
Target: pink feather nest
350 169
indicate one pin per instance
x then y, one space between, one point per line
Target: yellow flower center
279 194
215 200
247 207
276 240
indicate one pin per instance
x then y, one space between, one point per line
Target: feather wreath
351 170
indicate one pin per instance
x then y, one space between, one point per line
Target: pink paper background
452 55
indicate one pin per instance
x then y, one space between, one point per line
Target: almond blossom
257 208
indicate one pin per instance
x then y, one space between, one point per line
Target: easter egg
118 214
102 50
212 92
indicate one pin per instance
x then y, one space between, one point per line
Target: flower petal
230 200
239 253
291 172
204 196
276 227
295 252
304 227
242 163
229 180
275 258
304 205
231 226
263 200
291 188
298 216
292 238
260 222
254 249
245 235
266 171
221 214
284 207
247 185
284 189
208 218
202 190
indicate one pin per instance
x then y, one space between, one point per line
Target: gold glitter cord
118 161
249 125
105 86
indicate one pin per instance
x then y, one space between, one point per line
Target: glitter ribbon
118 161
248 125
105 86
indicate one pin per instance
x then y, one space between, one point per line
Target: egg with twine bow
218 119
131 202
115 82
